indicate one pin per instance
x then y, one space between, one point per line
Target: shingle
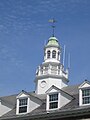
72 90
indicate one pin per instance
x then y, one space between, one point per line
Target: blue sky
24 28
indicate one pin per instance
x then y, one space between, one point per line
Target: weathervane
53 26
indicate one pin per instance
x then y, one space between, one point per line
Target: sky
24 30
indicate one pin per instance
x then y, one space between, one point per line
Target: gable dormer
26 103
56 98
84 93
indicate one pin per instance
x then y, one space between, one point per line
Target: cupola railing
52 70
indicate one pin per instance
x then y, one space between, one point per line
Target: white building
53 98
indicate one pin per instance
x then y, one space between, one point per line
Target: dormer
56 98
23 101
84 93
26 103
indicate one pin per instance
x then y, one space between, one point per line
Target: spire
53 26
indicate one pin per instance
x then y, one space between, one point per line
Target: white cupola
51 71
52 50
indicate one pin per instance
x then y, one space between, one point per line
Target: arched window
53 54
48 54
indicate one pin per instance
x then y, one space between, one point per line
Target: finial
53 25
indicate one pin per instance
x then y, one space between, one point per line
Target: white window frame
86 96
18 105
52 101
22 104
81 97
48 101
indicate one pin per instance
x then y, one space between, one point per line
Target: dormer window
23 102
23 105
53 54
53 101
86 96
84 93
56 98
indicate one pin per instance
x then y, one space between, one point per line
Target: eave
54 115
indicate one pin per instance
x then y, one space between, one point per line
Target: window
53 101
48 54
53 54
23 105
86 96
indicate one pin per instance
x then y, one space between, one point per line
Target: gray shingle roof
73 90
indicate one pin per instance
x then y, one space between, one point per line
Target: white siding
59 83
64 99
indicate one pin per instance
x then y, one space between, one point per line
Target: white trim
47 101
17 109
85 84
17 103
81 98
59 100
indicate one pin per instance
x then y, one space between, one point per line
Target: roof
9 99
52 42
54 87
41 112
71 89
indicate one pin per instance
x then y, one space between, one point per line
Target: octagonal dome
53 42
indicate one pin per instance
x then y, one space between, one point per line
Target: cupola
52 50
51 71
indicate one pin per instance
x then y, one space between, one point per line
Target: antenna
69 61
53 26
64 54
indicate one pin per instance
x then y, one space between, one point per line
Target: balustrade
51 70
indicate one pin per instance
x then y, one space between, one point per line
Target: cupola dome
53 41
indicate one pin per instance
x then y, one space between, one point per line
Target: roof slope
41 110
